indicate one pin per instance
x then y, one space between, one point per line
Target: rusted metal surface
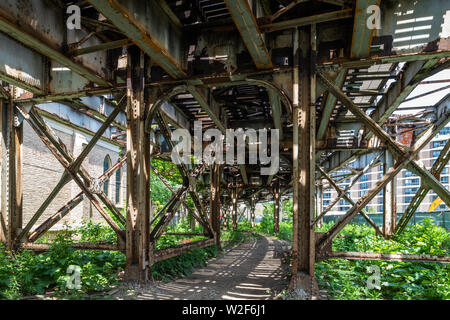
140 30
386 256
215 173
239 65
51 221
303 158
168 253
138 249
276 208
78 246
246 23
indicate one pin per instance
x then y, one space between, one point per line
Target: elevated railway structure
329 75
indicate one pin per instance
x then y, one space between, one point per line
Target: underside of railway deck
328 75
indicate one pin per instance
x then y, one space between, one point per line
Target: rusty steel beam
100 47
11 193
343 194
199 218
420 195
370 165
73 167
167 213
385 256
171 252
285 9
276 207
305 21
234 201
51 221
64 180
77 246
30 41
185 234
246 23
405 160
62 154
304 119
362 35
138 248
397 93
376 60
187 180
389 198
138 20
215 189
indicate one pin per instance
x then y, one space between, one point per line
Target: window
106 166
437 144
445 170
365 177
118 176
362 193
364 186
409 174
408 200
436 153
326 203
327 195
444 179
444 131
411 190
412 182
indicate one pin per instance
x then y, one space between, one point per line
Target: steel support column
11 175
303 251
276 208
389 203
319 205
215 202
234 200
138 173
252 211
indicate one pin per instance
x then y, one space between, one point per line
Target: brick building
41 171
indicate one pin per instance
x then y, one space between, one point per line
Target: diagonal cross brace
346 197
191 212
61 153
436 170
352 183
394 147
401 164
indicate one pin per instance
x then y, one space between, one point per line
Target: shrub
398 280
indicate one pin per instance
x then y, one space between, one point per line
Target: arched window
106 166
118 185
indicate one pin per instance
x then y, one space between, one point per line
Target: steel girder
151 30
246 23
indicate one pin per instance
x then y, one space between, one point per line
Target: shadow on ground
251 270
